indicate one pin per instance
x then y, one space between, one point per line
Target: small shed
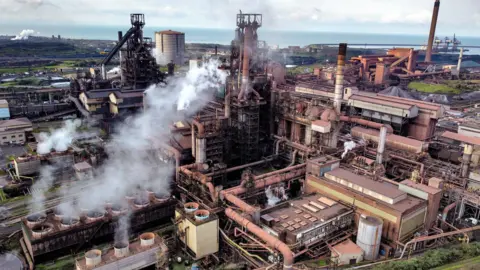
347 253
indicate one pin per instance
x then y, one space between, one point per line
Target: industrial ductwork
272 241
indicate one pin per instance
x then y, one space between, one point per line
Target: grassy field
470 264
433 88
67 64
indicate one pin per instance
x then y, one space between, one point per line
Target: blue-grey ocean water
280 38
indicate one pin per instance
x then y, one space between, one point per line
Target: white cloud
348 15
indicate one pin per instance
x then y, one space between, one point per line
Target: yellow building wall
202 239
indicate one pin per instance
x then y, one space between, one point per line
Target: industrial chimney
247 51
381 144
433 26
342 53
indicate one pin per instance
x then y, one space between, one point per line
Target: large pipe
381 144
367 123
232 169
436 236
421 165
467 156
272 241
294 157
342 53
295 145
448 209
227 105
277 145
199 142
268 179
200 128
431 37
247 50
272 108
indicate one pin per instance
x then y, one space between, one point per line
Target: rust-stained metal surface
461 138
393 141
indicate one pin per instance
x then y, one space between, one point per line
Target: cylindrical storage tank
147 239
369 236
170 46
93 257
121 249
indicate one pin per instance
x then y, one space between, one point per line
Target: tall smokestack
433 26
247 50
216 49
342 53
467 157
460 57
381 144
120 35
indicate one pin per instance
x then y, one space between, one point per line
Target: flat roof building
402 214
14 130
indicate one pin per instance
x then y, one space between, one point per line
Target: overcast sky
364 16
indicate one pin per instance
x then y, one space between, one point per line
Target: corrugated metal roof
13 123
376 100
424 188
461 138
386 189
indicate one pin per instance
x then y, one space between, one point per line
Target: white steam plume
60 139
123 226
25 34
115 70
134 164
275 195
40 187
348 146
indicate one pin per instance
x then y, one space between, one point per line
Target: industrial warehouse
254 170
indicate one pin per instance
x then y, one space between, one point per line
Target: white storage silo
169 46
369 236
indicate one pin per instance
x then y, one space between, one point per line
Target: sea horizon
281 38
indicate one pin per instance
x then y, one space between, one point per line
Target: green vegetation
63 263
439 258
433 88
53 66
470 264
304 69
446 87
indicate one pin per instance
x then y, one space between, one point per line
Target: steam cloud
275 195
348 146
115 70
24 35
39 188
135 163
59 139
121 234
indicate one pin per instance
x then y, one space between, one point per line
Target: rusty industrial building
276 171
